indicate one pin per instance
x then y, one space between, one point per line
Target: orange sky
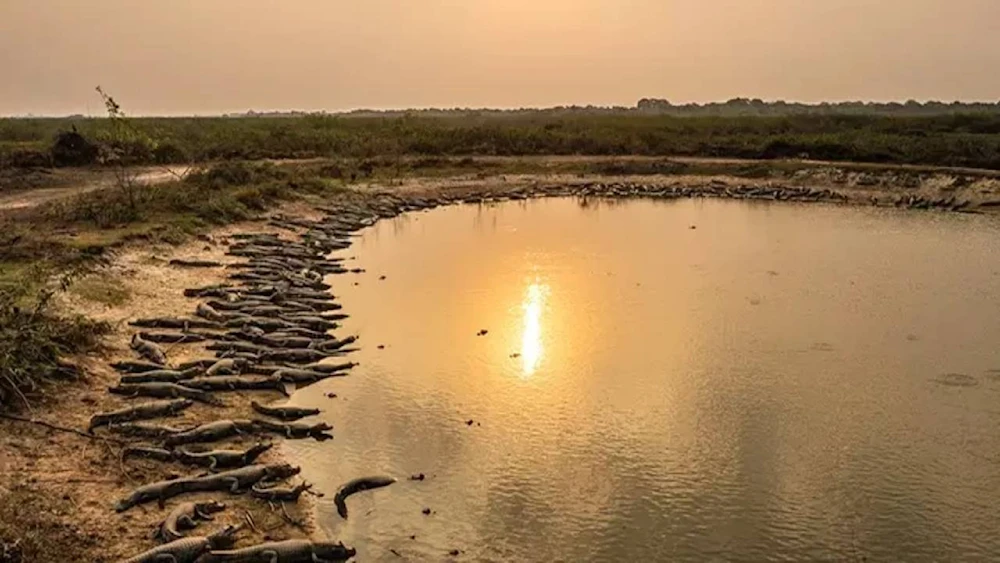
211 56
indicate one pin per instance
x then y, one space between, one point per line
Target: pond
691 379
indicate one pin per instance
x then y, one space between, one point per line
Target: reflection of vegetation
906 136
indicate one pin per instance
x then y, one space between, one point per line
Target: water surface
682 380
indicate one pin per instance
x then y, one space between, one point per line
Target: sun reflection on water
531 339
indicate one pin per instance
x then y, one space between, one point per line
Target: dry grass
101 287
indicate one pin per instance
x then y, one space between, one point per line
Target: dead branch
51 426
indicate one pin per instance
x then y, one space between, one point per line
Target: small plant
125 147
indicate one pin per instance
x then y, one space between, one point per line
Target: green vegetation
66 233
943 139
33 342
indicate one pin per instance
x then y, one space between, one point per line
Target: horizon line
513 109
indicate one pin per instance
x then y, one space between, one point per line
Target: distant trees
756 106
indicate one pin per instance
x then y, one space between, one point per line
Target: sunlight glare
531 340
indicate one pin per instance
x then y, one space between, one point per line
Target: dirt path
76 182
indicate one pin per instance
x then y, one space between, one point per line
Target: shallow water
693 379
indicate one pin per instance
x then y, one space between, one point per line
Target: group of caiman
268 329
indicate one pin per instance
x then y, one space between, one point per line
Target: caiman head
209 507
178 405
224 538
330 551
255 451
277 471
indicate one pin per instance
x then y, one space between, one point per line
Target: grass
952 139
101 288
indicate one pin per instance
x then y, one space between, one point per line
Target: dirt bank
71 482
24 189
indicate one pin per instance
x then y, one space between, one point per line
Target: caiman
302 376
159 376
288 551
334 345
168 322
172 337
287 341
130 366
284 413
158 491
221 459
226 367
206 311
311 321
234 480
159 454
238 383
165 390
316 431
356 486
148 350
280 494
185 516
187 550
144 430
212 432
144 411
202 364
329 368
294 355
232 346
218 290
261 322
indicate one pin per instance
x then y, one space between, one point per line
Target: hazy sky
210 56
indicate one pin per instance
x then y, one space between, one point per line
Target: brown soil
75 481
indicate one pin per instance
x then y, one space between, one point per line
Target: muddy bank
78 480
75 481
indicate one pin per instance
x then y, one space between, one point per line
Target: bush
169 153
27 158
238 173
73 149
33 342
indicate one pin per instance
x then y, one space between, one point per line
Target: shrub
28 158
73 149
33 342
169 153
238 173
